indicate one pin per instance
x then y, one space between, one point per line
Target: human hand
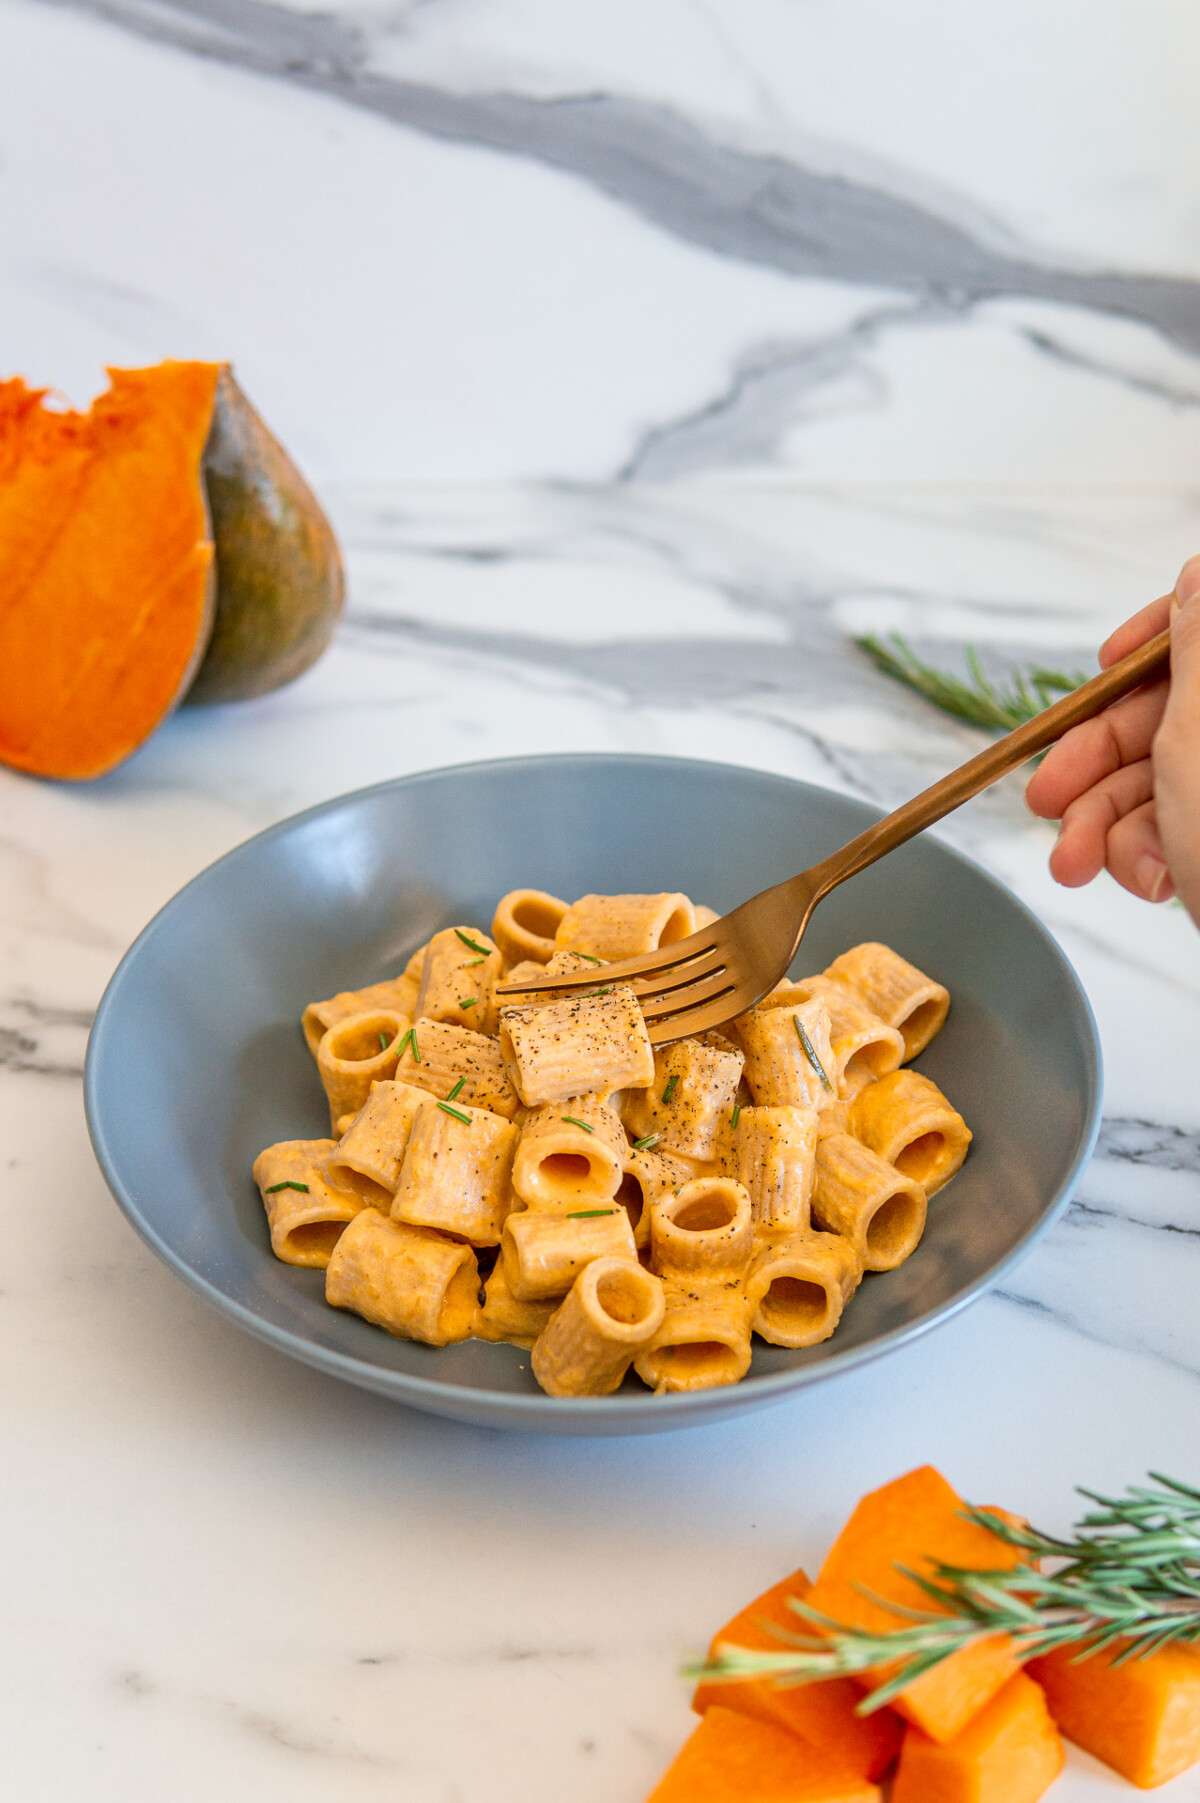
1126 785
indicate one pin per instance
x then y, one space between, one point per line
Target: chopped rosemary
573 1120
587 1214
472 944
669 1091
737 1115
383 1042
1130 1572
979 700
472 962
456 1112
286 1184
644 1145
467 1001
455 1090
591 957
810 1054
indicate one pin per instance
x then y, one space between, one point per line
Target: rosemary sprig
1130 1572
980 701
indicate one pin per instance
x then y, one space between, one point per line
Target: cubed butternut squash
824 1712
916 1521
1142 1717
1009 1753
732 1758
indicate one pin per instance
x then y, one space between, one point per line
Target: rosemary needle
467 1001
472 944
456 1112
591 957
587 1214
810 1054
383 1042
573 1120
455 1090
669 1091
286 1184
644 1145
737 1114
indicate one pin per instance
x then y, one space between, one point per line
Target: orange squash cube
1142 1718
914 1522
1009 1753
732 1758
824 1712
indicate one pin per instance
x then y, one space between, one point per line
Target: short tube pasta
704 1340
306 1213
611 1311
901 995
705 1230
789 1055
525 923
354 1053
456 1172
458 980
570 1155
797 1287
414 1283
543 1254
687 1108
622 926
435 1054
368 1156
647 1177
398 996
773 1153
502 1318
590 1042
864 1047
856 1193
907 1120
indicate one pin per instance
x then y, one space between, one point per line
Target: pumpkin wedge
159 543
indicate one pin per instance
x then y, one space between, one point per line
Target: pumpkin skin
158 545
280 585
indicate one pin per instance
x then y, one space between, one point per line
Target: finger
1082 849
1177 745
1135 855
1135 631
1122 734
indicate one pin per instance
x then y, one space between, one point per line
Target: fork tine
720 981
713 1013
646 964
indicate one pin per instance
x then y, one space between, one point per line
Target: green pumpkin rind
280 583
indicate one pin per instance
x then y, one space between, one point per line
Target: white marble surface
642 353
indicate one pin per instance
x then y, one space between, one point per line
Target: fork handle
990 765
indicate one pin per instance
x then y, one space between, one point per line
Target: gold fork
722 970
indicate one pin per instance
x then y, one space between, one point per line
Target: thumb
1176 750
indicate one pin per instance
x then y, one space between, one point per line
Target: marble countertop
640 366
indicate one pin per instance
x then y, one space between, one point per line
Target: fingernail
1188 585
1151 875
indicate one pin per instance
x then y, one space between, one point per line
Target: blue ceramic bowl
196 1059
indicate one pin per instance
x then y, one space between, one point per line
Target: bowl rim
525 1411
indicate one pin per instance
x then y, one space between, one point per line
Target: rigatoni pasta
535 1173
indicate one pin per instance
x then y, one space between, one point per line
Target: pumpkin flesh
106 566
